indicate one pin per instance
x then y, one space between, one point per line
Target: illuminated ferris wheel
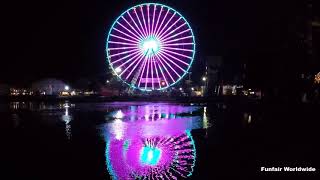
150 47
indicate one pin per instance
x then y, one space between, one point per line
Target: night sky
66 39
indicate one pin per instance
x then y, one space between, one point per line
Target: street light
192 88
204 78
180 89
66 88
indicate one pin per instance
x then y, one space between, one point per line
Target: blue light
150 156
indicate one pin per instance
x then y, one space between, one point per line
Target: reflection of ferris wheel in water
150 47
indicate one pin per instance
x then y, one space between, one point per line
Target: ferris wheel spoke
148 12
140 36
179 49
165 68
144 21
169 51
172 31
134 22
137 16
152 66
132 63
146 79
156 69
169 66
122 48
174 58
160 26
156 25
177 44
173 62
175 35
163 33
164 27
178 39
144 66
137 63
122 43
125 57
126 34
124 52
129 60
123 38
152 24
129 31
164 77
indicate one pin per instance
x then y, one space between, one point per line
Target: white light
150 155
119 115
66 88
108 81
150 46
192 89
180 89
117 70
204 79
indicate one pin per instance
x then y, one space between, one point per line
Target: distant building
49 87
213 73
4 90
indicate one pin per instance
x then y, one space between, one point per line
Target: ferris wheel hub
150 46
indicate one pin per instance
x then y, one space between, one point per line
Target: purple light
151 140
161 36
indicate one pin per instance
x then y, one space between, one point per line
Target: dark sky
66 39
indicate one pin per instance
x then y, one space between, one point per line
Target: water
152 140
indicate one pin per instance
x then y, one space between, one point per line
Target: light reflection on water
152 141
143 139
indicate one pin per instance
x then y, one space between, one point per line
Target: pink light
140 37
173 30
141 57
123 38
169 65
175 35
125 34
129 31
165 68
170 27
174 58
160 26
166 24
155 28
147 72
125 57
144 65
164 77
144 22
145 34
172 62
142 34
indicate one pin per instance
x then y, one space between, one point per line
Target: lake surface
149 140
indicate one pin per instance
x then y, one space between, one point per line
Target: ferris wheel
150 47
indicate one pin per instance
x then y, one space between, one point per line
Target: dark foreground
43 141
